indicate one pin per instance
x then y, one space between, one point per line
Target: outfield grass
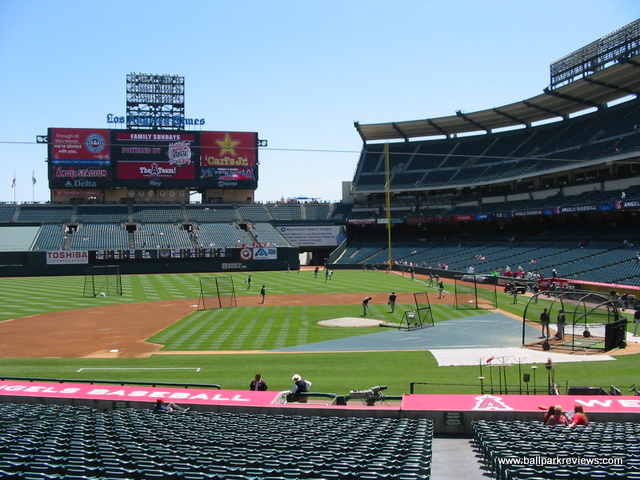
269 327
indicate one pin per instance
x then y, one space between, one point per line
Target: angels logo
179 153
236 174
489 402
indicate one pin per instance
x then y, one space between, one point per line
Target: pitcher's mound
351 322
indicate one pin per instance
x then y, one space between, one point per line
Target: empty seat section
227 445
220 235
211 213
102 214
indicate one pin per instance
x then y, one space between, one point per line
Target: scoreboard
159 254
103 158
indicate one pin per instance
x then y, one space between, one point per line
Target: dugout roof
595 90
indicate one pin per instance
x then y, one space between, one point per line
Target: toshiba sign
66 258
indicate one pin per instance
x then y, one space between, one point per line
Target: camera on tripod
370 396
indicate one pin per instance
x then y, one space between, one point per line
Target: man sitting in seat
161 407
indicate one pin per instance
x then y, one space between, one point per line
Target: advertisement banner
313 236
362 221
246 254
79 146
77 193
159 155
229 159
579 208
149 394
152 170
75 176
229 177
628 204
80 183
228 149
518 403
67 258
66 172
265 253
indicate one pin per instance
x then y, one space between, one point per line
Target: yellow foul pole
387 192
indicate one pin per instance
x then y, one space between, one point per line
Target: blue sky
297 72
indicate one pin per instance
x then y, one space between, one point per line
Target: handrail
114 382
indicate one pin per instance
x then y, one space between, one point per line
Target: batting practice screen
217 292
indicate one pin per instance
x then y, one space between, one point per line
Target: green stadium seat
125 444
10 467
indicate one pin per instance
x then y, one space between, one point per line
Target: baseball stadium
481 268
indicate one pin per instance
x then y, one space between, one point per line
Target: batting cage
475 292
217 292
580 319
102 280
421 317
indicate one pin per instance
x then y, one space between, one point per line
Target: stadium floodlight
155 102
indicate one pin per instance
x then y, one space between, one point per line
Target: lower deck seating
591 451
51 441
599 261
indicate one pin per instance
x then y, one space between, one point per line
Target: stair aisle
456 458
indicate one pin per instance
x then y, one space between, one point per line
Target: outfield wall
35 264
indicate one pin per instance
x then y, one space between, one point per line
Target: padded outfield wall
75 262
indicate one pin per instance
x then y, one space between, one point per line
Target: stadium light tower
617 47
155 102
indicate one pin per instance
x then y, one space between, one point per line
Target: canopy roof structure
595 90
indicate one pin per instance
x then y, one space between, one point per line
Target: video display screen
101 158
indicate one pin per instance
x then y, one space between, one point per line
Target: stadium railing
113 382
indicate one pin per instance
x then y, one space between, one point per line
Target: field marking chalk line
197 369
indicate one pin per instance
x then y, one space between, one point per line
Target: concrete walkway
455 458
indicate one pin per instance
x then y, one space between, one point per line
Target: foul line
197 369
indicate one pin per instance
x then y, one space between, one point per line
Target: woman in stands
558 417
579 417
548 413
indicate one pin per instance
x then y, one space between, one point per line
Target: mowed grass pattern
259 327
265 327
34 295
